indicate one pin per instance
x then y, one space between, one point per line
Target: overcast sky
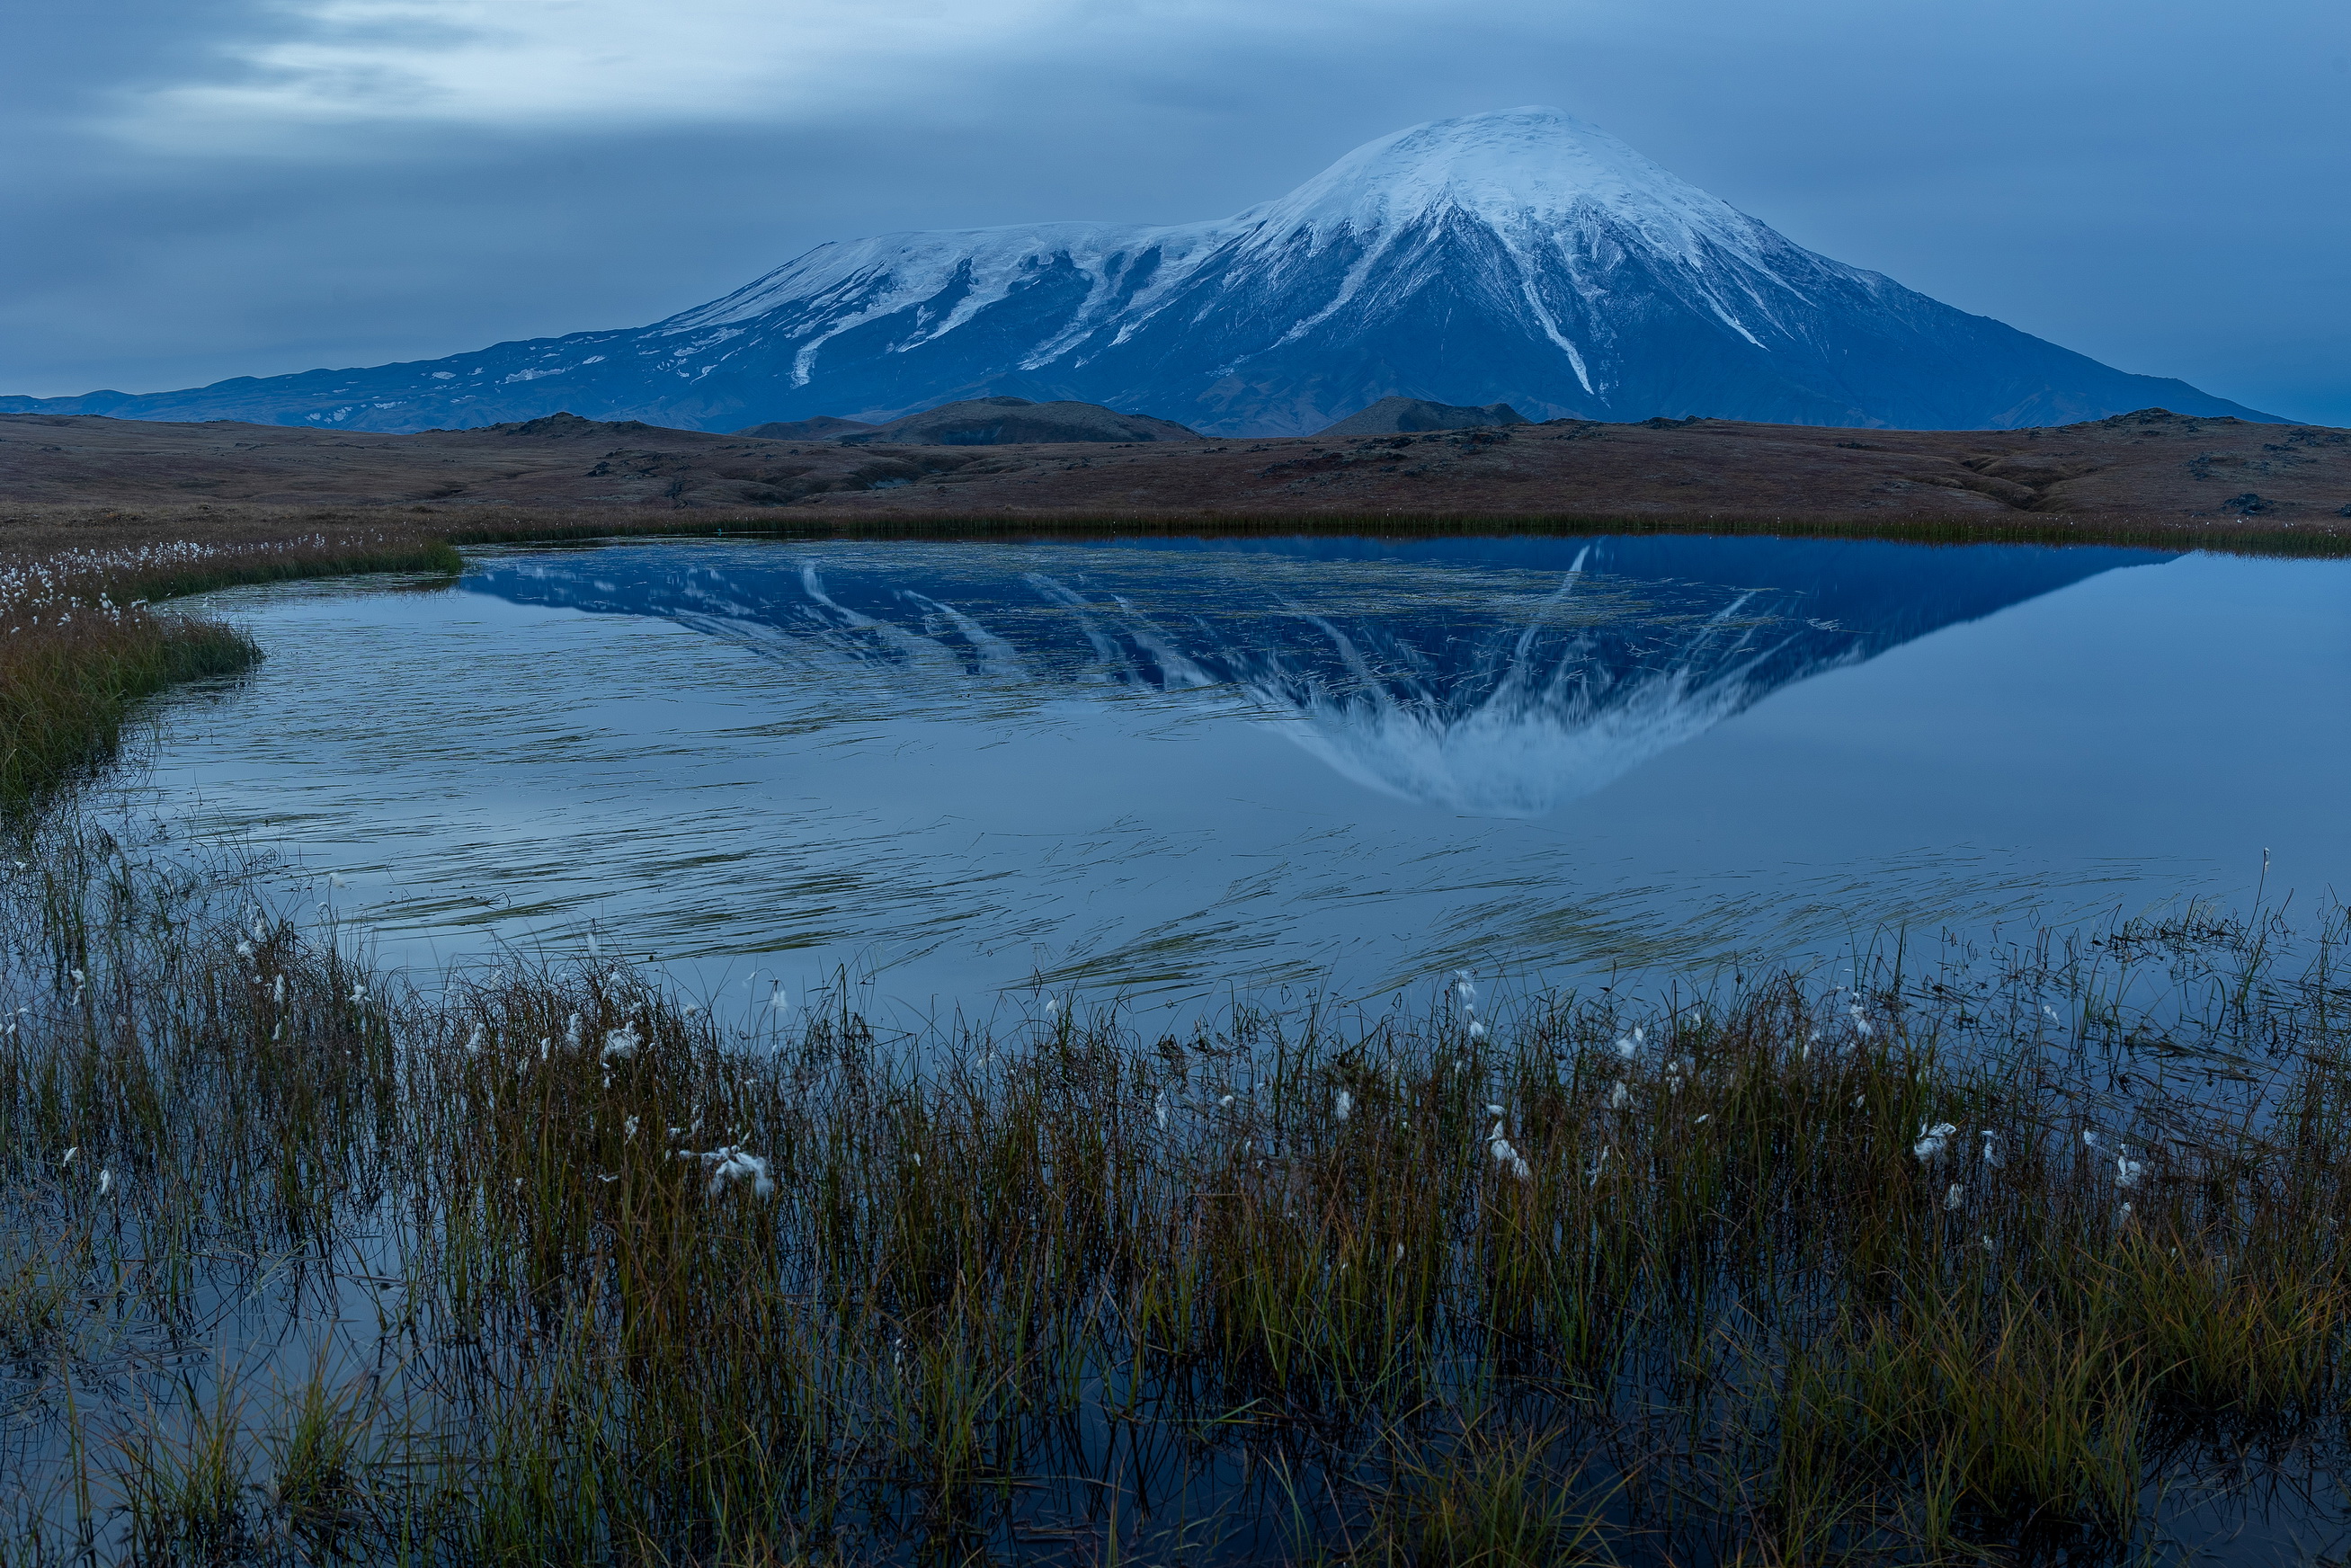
198 189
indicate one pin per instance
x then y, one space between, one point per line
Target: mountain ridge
1520 256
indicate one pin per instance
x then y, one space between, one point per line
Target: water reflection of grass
336 1268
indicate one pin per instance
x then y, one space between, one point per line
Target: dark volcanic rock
1393 415
823 427
1014 421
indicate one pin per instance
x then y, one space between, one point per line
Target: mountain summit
1521 256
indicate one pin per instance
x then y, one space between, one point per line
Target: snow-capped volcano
1521 256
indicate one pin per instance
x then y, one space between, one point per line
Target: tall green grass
547 1267
80 646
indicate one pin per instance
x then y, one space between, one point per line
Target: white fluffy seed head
1932 1139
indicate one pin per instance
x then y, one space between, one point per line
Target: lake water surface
1178 770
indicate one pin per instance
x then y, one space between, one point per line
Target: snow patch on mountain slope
842 285
1545 184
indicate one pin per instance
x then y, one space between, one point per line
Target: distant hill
1393 415
1014 420
823 427
1521 256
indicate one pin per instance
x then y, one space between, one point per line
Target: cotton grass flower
732 1164
1505 1157
1932 1139
1619 1097
2127 1171
1346 1104
105 1182
621 1044
1954 1197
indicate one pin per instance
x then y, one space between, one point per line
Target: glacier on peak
1521 256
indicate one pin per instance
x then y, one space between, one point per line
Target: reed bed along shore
2038 1256
32 529
81 644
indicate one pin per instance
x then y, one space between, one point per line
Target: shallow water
1178 770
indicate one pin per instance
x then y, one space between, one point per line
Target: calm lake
1182 770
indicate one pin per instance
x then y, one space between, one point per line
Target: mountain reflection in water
1181 770
1498 678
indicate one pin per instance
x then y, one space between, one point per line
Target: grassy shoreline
81 645
33 529
305 1264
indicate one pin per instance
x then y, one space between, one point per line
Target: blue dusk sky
201 188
